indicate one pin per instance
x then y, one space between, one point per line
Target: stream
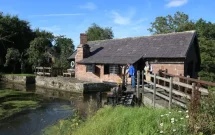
55 106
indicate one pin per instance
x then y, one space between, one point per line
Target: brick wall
98 76
175 69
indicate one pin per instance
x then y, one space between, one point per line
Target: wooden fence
169 89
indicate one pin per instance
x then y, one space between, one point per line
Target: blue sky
128 18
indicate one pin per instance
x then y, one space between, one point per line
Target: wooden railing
170 88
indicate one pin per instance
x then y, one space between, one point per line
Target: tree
95 32
170 23
206 34
12 57
14 33
206 37
64 47
38 51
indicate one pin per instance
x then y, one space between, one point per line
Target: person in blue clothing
131 72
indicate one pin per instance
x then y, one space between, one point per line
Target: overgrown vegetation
13 102
202 118
134 121
124 121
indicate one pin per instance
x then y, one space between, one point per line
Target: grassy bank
12 102
126 121
20 74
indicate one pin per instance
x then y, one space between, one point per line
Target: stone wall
70 84
59 83
19 79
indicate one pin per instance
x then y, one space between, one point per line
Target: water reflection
30 123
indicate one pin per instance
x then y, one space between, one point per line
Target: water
34 121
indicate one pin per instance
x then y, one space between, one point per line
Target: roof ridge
172 33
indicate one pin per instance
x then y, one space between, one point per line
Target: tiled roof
129 50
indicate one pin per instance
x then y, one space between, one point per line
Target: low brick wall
19 79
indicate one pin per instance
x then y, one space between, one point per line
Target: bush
203 121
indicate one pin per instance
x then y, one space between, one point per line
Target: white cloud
89 6
176 3
118 19
127 19
123 20
128 23
57 15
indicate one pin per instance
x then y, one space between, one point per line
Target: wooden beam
142 86
154 94
182 84
161 78
170 93
138 84
167 98
191 79
176 92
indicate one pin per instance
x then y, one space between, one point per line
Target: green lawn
12 102
20 74
126 121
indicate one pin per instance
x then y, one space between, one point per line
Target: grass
9 93
20 74
12 102
125 121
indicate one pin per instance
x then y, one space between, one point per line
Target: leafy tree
206 33
95 32
170 23
12 57
206 37
38 52
14 33
64 47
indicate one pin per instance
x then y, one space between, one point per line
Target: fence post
170 92
187 82
138 84
43 71
154 94
180 80
142 86
142 81
165 77
193 90
99 99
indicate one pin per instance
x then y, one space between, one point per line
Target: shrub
203 121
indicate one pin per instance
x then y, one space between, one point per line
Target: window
114 69
106 69
90 68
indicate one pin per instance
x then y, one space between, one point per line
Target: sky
127 18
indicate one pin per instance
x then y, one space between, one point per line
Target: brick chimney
83 50
83 38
